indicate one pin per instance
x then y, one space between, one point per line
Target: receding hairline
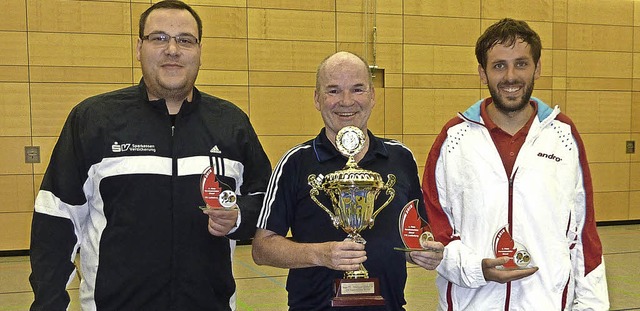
339 57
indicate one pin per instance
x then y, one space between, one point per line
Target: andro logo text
549 156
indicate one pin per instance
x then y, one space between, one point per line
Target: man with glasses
124 180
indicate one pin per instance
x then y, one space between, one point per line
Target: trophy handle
315 186
391 180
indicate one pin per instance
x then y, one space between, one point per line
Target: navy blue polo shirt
288 205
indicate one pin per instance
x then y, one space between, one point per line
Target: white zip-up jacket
551 214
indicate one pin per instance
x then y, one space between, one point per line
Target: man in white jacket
508 191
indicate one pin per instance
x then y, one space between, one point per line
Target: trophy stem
356 237
361 273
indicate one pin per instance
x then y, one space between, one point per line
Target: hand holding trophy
414 231
353 192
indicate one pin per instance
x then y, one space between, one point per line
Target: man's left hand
429 258
221 221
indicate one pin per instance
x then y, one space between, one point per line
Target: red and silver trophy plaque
414 231
213 194
505 246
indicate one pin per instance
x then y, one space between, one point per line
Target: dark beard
500 105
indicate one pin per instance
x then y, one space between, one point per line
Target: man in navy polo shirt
318 253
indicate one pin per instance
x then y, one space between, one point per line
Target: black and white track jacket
123 187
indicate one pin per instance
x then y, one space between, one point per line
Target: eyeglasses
161 39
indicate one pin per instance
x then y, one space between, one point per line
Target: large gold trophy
353 192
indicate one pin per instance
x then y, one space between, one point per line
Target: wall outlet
631 146
32 154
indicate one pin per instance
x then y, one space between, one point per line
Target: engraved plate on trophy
214 193
414 231
505 246
353 192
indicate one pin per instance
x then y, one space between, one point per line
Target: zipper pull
173 127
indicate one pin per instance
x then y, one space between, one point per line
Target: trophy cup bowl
353 192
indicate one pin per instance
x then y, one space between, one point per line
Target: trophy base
357 292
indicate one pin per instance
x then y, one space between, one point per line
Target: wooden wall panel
291 25
611 206
389 57
617 64
610 177
199 3
634 205
272 55
537 10
443 81
317 5
16 230
52 102
16 52
79 17
440 59
222 77
350 27
427 110
12 156
282 78
14 73
262 55
635 177
238 95
470 8
223 22
602 147
17 193
612 12
68 49
382 7
15 118
17 20
376 122
440 30
598 84
64 74
393 111
591 37
420 146
284 111
600 112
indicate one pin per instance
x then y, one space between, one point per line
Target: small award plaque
505 246
414 231
213 194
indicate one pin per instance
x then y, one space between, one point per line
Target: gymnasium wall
262 55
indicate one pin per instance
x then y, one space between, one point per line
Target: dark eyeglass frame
162 39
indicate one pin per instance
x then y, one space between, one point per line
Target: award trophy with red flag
414 231
213 193
504 245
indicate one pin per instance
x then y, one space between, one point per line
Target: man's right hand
343 256
491 273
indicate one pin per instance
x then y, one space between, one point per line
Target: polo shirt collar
491 126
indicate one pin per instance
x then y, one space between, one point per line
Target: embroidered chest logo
117 147
550 156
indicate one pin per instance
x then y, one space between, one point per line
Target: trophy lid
350 141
